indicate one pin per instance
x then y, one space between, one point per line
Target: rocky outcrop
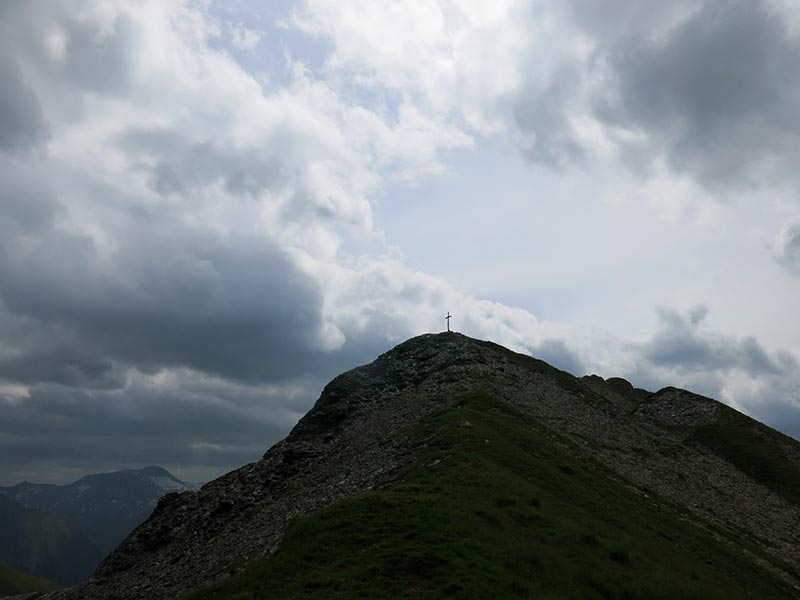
357 437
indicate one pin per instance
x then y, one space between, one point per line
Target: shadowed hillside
495 506
45 545
13 582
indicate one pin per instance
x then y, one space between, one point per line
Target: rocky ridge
355 438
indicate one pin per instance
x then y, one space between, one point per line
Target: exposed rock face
356 438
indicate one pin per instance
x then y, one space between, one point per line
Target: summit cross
447 318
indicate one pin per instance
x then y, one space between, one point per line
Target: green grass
508 511
754 448
13 582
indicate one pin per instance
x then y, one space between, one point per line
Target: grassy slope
45 544
509 511
754 448
13 582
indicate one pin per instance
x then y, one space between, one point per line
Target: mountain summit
453 467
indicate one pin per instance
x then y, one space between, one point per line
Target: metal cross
447 318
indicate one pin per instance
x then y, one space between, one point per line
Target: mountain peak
156 471
427 359
372 427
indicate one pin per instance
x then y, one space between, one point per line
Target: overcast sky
208 209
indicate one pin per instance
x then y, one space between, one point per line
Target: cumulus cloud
22 123
685 351
714 95
696 99
181 222
195 424
244 38
557 353
166 228
682 344
706 90
786 247
454 59
177 279
779 409
237 308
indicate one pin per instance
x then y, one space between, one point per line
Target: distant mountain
13 582
455 468
62 532
45 545
106 506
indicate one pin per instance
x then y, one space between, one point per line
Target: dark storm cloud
98 60
682 345
166 293
781 413
231 305
711 88
42 354
27 203
550 138
685 353
179 164
22 123
786 249
717 95
556 353
108 289
193 422
604 21
60 45
77 322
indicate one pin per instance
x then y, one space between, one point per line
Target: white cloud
457 59
188 238
244 38
177 230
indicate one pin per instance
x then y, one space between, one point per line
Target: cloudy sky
208 208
